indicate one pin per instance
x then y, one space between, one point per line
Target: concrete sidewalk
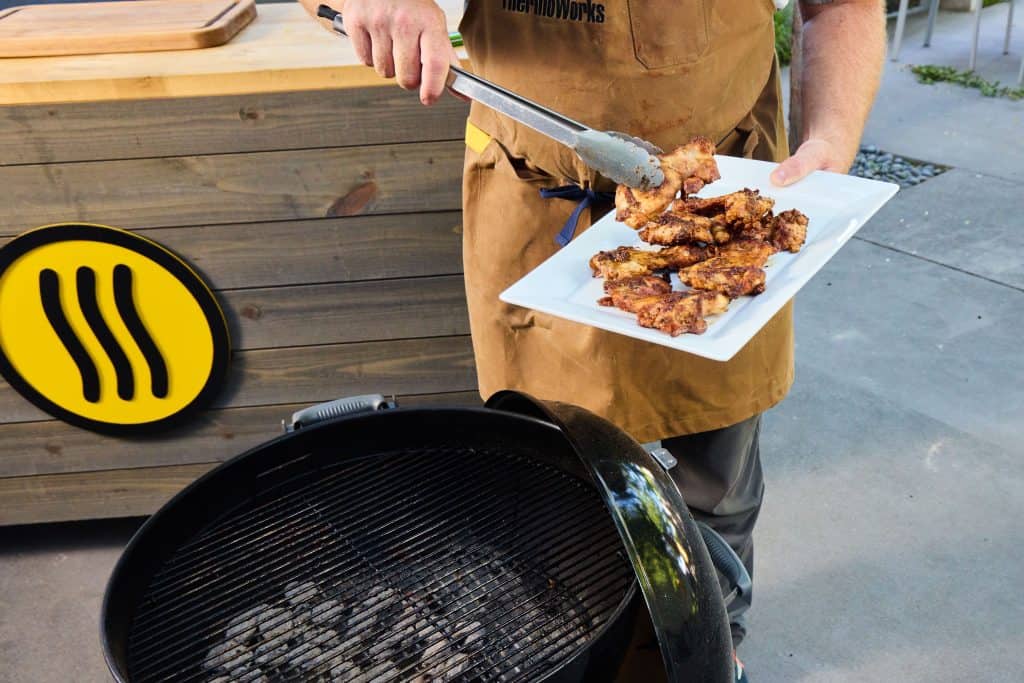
891 546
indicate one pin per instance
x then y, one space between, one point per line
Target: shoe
741 673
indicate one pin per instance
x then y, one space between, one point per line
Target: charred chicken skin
745 252
681 312
624 293
671 229
631 261
695 164
719 275
736 208
687 168
736 270
789 231
657 307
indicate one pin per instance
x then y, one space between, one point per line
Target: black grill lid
677 577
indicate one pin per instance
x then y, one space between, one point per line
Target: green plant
930 73
784 34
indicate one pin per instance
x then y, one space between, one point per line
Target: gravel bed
877 164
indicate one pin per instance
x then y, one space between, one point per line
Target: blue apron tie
575 193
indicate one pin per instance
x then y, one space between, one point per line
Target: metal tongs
617 156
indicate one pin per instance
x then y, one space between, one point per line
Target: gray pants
719 474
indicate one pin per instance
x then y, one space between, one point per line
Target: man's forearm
843 54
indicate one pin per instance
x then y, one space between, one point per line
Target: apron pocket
669 32
520 167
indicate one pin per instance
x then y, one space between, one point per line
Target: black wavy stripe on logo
86 281
126 307
49 295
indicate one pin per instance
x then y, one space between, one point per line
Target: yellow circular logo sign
106 329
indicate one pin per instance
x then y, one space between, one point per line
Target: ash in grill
481 566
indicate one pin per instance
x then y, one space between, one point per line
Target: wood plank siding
326 221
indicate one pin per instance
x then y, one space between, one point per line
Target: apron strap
575 193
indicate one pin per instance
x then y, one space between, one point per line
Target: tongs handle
528 112
541 119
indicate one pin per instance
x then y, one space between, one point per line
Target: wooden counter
319 201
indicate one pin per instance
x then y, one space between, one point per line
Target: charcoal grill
410 545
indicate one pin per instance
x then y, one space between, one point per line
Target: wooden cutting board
137 26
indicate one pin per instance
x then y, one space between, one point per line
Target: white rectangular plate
837 206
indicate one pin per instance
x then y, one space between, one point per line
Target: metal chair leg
1009 29
933 9
901 22
974 41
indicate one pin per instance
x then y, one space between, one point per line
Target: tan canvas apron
664 70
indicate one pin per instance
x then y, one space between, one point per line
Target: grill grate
444 564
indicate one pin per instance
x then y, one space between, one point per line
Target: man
663 70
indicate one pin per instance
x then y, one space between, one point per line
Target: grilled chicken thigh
630 261
686 168
789 230
657 307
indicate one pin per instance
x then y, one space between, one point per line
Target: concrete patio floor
890 546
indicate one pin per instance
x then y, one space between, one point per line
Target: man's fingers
435 52
407 61
811 156
361 44
382 48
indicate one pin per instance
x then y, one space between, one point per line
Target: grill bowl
408 545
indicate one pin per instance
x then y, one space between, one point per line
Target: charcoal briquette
343 672
226 654
297 593
270 651
327 612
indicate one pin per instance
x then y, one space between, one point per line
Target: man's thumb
809 157
790 170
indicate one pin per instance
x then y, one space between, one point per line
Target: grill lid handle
672 564
339 407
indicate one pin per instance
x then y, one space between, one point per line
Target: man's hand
816 154
402 39
842 57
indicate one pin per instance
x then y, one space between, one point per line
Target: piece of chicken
670 229
635 207
745 252
624 293
756 230
680 312
789 230
735 208
631 261
695 164
687 168
719 275
658 307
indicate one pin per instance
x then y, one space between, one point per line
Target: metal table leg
974 41
933 9
1009 29
901 22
